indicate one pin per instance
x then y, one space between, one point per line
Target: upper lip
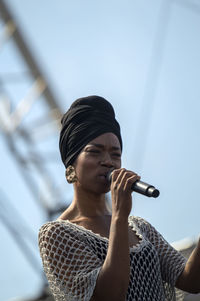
105 174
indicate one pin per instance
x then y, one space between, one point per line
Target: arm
172 262
113 280
70 265
189 280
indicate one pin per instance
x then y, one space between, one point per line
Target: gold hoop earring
71 174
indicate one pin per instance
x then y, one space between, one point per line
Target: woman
90 253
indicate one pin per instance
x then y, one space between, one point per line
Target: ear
71 174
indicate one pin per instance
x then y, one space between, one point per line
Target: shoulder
51 227
57 229
143 225
139 221
59 236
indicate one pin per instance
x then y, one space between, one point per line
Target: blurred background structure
145 58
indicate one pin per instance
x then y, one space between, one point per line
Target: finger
122 178
128 178
130 181
117 174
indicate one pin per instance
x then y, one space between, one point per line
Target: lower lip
104 179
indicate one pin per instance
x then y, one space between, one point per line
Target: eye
116 155
96 151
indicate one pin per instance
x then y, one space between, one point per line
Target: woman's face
94 162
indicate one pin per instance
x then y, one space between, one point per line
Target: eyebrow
102 146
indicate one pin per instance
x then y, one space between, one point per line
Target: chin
103 190
98 189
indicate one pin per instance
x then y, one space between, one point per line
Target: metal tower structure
29 123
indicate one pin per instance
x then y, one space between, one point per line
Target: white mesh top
72 257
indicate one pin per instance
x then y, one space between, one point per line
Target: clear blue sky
143 56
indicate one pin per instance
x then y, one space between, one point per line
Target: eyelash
93 151
97 152
118 155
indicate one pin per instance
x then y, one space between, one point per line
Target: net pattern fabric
72 257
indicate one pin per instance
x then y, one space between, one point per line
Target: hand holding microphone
140 187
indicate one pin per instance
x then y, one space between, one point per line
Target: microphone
140 187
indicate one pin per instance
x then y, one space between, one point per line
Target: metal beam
25 50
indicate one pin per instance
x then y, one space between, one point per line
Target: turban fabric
86 119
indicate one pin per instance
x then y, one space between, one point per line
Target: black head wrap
86 119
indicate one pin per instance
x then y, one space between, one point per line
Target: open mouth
104 178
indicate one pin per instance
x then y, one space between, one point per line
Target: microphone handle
141 187
145 189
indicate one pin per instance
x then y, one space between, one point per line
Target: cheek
117 164
84 167
120 163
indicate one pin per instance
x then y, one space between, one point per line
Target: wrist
118 219
119 214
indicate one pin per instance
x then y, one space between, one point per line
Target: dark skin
89 209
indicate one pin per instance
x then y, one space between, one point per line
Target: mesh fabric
73 256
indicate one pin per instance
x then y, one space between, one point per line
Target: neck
87 204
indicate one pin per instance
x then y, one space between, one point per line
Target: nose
106 160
